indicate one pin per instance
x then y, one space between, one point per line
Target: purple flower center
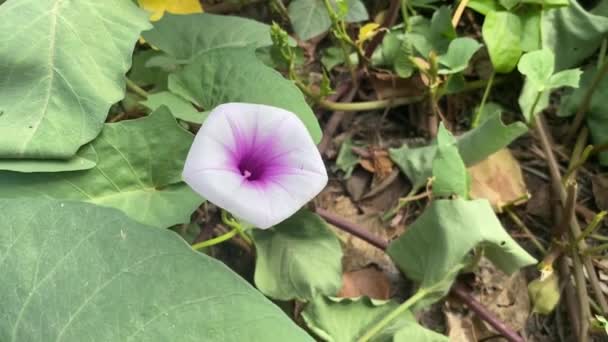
252 167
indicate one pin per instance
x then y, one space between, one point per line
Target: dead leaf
599 185
368 281
498 179
505 296
460 327
389 85
357 183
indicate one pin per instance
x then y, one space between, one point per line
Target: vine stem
392 102
376 328
457 290
132 86
215 240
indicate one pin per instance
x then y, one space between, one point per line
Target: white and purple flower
258 162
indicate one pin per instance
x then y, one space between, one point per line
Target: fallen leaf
498 179
369 281
505 296
599 185
460 327
389 85
159 7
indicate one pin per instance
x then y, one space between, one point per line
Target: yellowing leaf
159 7
367 32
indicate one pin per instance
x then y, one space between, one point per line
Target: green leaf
347 319
332 56
449 172
509 4
458 55
530 28
501 33
484 6
544 293
298 259
61 72
85 159
546 4
572 33
597 114
565 78
438 244
80 272
310 18
187 36
474 146
138 172
346 159
153 77
179 107
441 31
538 67
529 104
236 75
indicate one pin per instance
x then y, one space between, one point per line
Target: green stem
533 108
378 327
132 86
405 15
215 240
234 224
486 93
392 102
592 226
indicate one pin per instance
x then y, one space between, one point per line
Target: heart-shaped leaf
501 32
138 172
200 33
298 259
80 272
310 18
61 72
236 75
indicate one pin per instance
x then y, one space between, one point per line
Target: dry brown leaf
460 327
389 86
505 296
369 281
498 179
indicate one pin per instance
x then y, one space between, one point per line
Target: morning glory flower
258 162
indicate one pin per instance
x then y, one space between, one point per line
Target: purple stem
458 290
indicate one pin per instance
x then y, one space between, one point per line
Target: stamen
246 174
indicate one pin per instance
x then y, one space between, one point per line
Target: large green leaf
597 115
474 146
63 65
236 75
458 55
437 245
310 18
572 33
85 159
187 36
502 35
346 319
138 172
298 259
80 272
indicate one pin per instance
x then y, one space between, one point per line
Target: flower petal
256 161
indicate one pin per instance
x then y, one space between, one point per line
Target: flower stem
376 328
215 240
132 86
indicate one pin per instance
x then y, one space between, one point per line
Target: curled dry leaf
498 179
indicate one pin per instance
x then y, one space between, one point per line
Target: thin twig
334 121
457 290
527 231
458 13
